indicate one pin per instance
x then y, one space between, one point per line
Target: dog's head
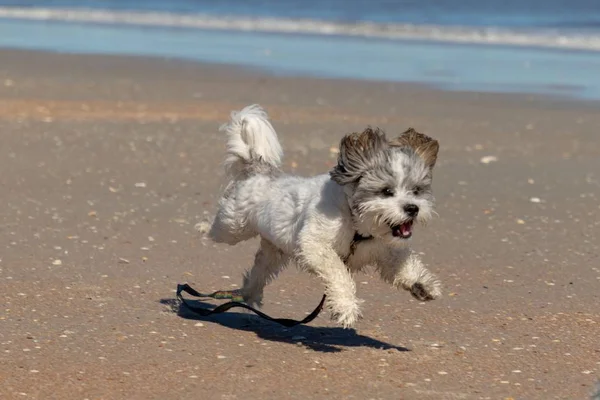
388 183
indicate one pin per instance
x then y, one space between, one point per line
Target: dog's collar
360 238
355 240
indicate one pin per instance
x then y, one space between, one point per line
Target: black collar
360 238
357 239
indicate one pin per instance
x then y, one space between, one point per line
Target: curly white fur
251 136
312 221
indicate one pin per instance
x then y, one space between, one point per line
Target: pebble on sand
488 159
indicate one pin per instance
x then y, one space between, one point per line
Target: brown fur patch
358 153
426 147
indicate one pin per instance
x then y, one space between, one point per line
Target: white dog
333 225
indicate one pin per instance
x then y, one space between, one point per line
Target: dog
362 213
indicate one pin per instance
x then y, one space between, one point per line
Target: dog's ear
358 153
424 146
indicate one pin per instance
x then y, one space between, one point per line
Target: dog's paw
254 301
346 317
426 291
346 320
255 304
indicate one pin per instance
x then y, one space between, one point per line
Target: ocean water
540 46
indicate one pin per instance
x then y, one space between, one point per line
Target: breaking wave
549 38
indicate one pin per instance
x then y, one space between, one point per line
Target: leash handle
233 304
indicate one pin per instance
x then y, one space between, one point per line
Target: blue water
506 13
542 46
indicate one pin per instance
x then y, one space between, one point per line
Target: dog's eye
417 190
387 192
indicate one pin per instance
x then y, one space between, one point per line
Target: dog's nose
411 210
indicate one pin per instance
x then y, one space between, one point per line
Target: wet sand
107 165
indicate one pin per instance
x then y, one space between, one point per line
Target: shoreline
29 57
456 67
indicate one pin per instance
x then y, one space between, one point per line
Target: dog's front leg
340 287
404 269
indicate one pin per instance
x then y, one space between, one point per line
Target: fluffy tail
250 137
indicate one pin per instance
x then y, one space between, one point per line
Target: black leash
237 302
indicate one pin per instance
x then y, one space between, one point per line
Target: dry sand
108 163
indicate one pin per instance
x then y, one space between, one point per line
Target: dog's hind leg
268 262
228 226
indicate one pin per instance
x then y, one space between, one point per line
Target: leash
237 301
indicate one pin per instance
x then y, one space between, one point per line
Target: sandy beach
108 164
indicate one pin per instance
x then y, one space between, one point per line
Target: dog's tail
250 138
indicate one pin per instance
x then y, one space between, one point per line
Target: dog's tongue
404 230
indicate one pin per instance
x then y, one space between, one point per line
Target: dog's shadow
323 339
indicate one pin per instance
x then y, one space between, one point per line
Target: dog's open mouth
403 231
